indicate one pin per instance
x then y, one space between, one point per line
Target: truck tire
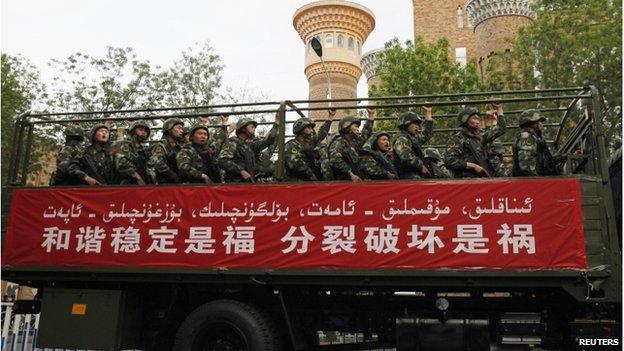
227 325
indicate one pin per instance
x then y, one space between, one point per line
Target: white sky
255 39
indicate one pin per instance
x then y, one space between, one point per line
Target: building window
461 56
340 41
329 41
359 47
351 44
460 17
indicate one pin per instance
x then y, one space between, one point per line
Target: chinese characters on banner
493 224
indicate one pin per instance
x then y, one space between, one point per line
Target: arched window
351 44
329 41
340 41
460 17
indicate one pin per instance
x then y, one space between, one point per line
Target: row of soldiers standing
350 154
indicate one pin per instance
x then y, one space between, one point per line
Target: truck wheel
227 325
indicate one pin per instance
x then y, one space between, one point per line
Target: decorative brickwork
441 19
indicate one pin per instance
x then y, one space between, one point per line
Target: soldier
197 161
408 144
97 160
163 153
496 152
68 170
532 156
301 162
435 164
376 158
240 155
467 157
344 148
131 157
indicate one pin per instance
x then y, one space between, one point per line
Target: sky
256 40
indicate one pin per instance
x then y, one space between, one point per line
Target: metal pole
281 119
329 89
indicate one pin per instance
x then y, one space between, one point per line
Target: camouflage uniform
495 154
408 148
163 155
374 163
344 149
300 161
131 156
68 170
432 159
194 159
321 155
470 146
98 161
243 155
532 156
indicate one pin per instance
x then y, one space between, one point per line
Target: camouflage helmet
197 126
244 122
137 124
371 142
301 123
432 152
95 129
170 123
185 130
530 116
74 132
463 116
345 122
496 149
409 117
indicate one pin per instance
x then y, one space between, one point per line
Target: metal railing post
29 141
281 116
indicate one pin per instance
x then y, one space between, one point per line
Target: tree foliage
21 88
419 68
572 42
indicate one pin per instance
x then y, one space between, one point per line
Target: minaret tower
342 27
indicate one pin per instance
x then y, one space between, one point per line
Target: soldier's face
383 143
141 133
200 137
250 129
354 129
474 121
541 126
101 135
413 128
176 131
308 131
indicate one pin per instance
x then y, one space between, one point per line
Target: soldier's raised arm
324 129
501 124
267 140
219 135
367 130
424 136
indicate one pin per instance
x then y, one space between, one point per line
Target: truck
428 264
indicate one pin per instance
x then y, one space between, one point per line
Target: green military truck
457 264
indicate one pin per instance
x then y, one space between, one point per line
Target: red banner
479 224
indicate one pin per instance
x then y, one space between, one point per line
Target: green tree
418 68
21 88
571 42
